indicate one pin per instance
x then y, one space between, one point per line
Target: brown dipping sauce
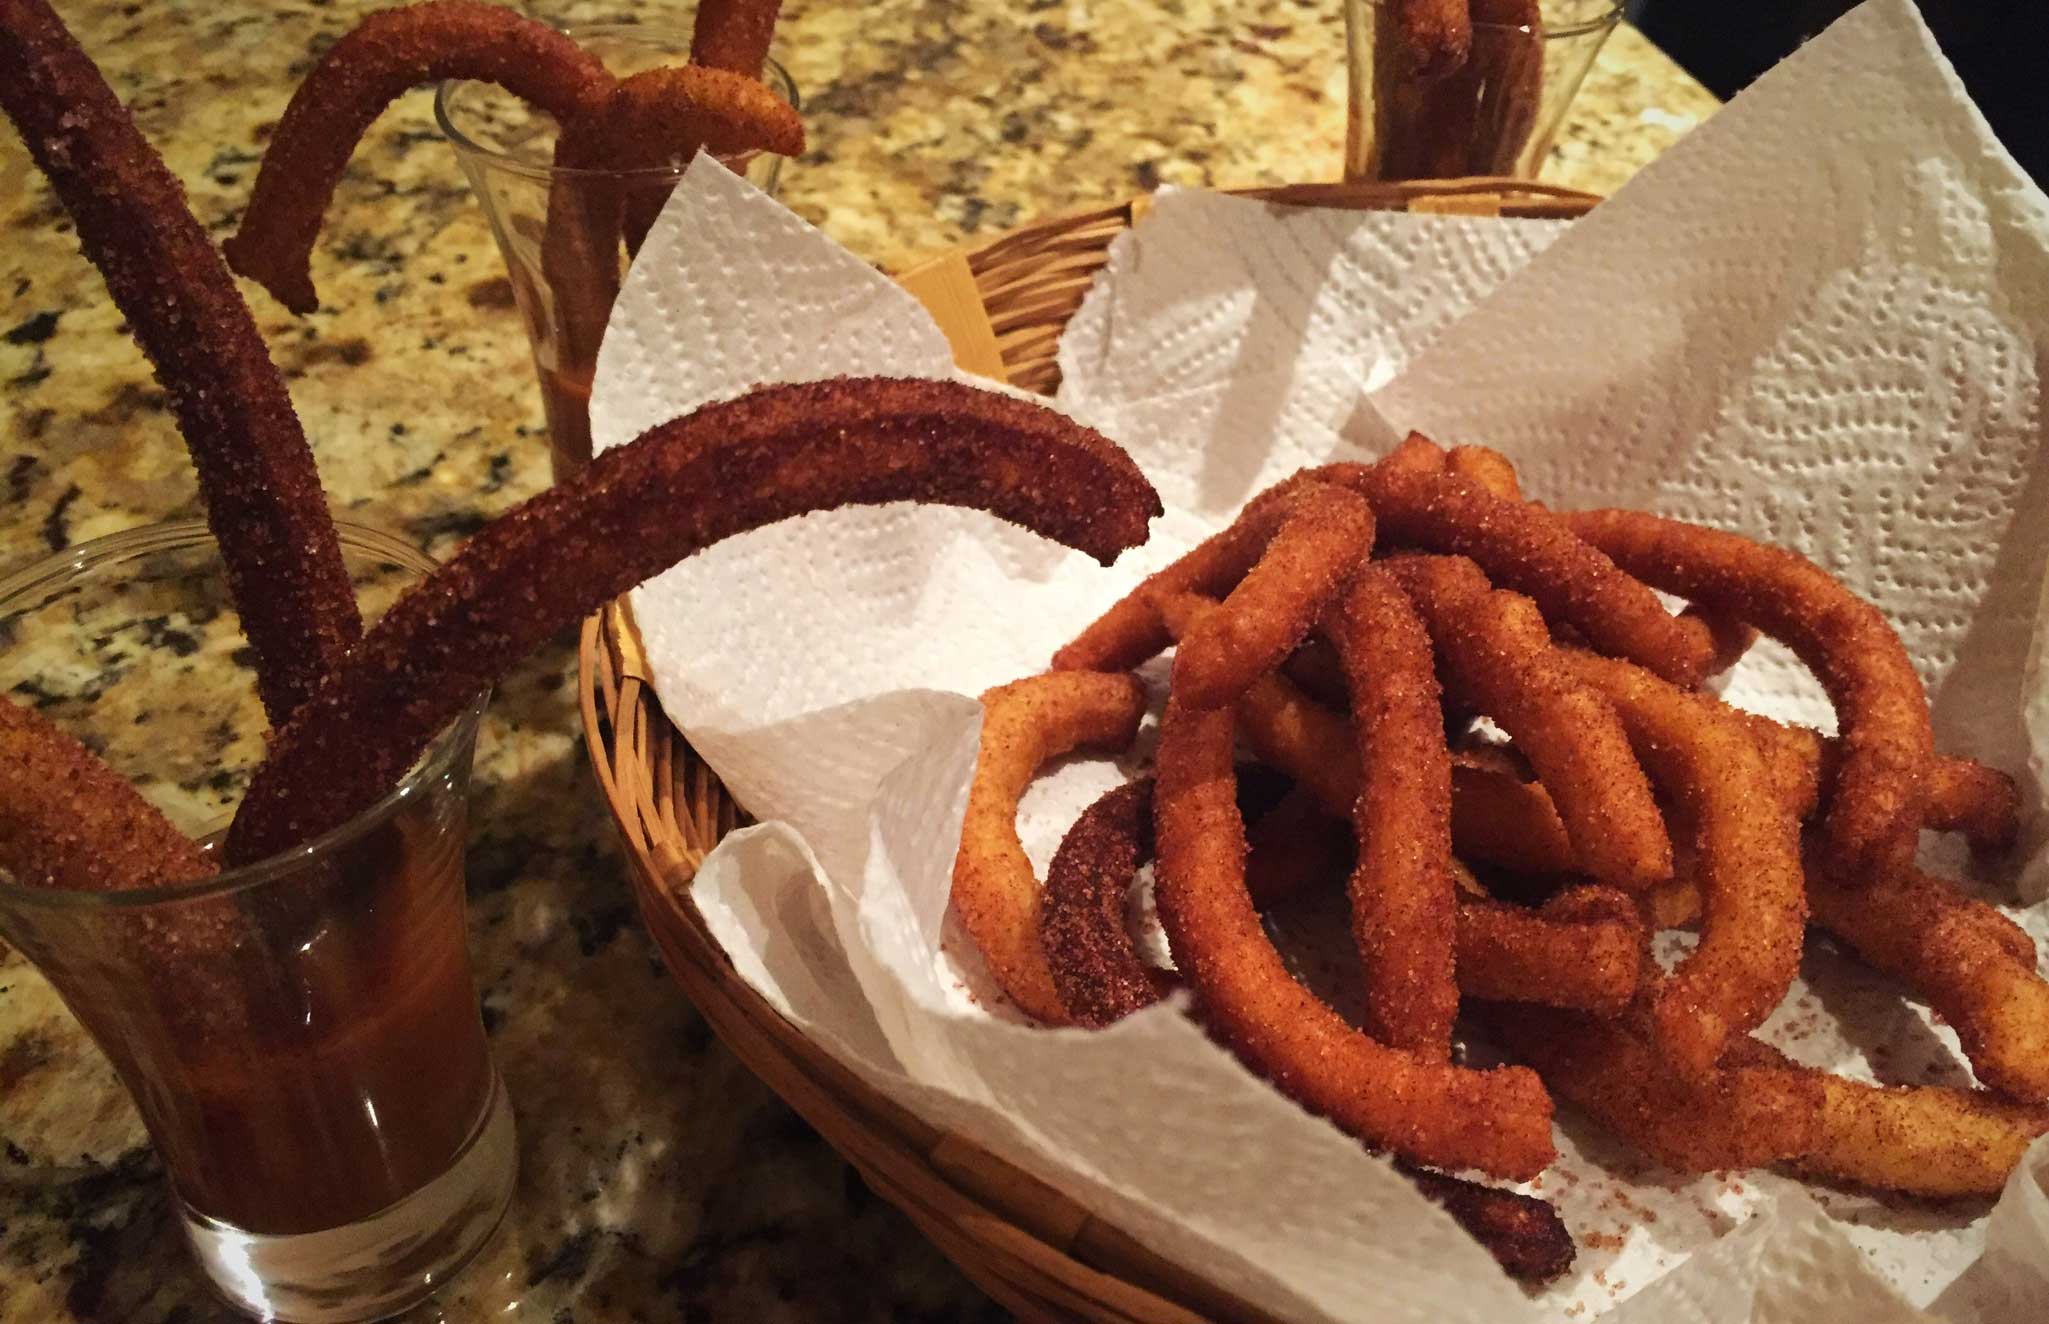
331 1060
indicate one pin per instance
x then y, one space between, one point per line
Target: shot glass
1494 115
301 1035
506 150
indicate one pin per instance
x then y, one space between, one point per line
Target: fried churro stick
1323 537
1403 911
1961 795
67 820
1474 119
1746 860
1495 816
777 452
1926 1140
256 474
1523 1234
1582 949
1499 818
734 35
1492 471
385 55
1090 957
1413 454
1964 796
1025 724
1930 1141
1874 816
664 117
1760 1107
1498 654
640 127
1497 1121
1973 965
1132 630
1529 550
1732 637
1737 1117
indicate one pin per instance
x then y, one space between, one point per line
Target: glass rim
1579 27
774 74
174 535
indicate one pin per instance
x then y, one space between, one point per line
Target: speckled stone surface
659 1181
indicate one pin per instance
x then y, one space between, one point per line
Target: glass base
377 1266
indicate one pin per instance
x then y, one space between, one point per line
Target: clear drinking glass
507 152
1495 115
301 1035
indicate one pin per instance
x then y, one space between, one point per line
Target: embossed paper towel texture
786 656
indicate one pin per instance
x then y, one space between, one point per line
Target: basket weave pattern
1034 1250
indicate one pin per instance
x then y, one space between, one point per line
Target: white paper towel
1828 334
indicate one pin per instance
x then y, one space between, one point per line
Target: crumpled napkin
1817 319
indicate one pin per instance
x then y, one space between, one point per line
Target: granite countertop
659 1181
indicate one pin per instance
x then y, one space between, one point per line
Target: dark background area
2000 47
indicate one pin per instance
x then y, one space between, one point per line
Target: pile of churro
1480 718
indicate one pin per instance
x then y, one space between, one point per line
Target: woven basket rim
1035 1250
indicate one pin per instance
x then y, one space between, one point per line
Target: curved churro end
387 54
1732 637
69 821
1874 815
1485 468
1524 1234
289 282
1132 631
1095 965
1024 724
665 116
1325 535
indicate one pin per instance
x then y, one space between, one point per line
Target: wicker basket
1034 1250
